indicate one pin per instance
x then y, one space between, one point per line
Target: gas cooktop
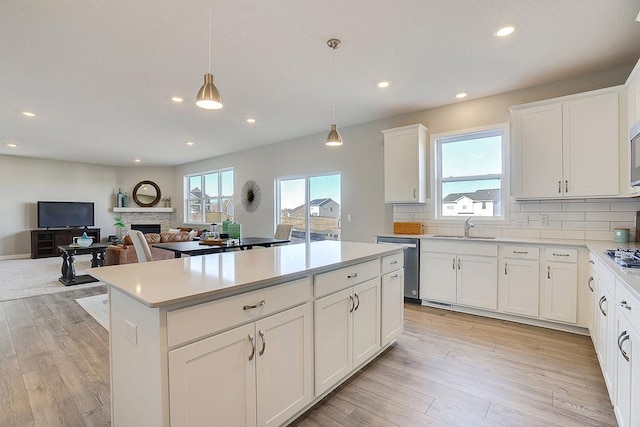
628 258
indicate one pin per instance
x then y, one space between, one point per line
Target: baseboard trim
18 256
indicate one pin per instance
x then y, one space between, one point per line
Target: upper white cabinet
633 98
405 159
567 147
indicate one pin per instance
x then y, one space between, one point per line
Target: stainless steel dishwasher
411 265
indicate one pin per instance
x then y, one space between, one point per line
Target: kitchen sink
462 237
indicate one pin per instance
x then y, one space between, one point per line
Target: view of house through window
469 173
311 204
209 197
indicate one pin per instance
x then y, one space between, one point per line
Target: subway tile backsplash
567 219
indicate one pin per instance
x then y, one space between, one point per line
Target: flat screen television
65 214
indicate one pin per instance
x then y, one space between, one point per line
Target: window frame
505 178
203 201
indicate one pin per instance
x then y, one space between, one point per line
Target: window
311 204
470 175
209 196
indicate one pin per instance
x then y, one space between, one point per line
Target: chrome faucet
467 226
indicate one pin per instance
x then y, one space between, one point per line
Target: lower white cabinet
392 306
519 280
263 372
347 332
561 285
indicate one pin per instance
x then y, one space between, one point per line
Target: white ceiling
99 74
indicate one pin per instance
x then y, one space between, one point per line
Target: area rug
98 307
22 278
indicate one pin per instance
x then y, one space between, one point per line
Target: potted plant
121 229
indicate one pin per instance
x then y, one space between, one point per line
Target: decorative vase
119 198
125 200
120 233
84 240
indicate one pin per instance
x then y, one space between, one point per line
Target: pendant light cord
333 89
210 8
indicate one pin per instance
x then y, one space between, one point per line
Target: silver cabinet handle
559 186
555 254
624 336
453 263
394 262
251 307
505 268
589 283
253 347
602 301
264 343
566 186
520 252
352 304
393 276
591 261
625 304
458 263
414 193
548 272
352 276
358 302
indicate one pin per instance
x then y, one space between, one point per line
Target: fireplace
146 228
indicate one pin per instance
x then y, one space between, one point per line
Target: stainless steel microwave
635 154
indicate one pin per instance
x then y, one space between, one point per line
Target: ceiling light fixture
137 160
461 95
208 96
505 30
29 114
176 99
383 84
190 143
251 120
11 144
334 138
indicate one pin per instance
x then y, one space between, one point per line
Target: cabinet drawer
333 281
607 279
628 305
392 262
520 252
190 323
562 255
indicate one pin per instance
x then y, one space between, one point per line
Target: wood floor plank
32 352
14 401
17 315
6 342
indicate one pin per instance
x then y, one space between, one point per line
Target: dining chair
283 231
143 252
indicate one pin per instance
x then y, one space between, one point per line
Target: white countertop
166 282
630 276
497 240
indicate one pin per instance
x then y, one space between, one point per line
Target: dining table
195 247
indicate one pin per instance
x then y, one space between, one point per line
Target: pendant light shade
208 95
334 138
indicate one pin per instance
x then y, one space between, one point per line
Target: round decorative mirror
146 194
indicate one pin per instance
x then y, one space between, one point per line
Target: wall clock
251 195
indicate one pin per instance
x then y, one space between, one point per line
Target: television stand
45 242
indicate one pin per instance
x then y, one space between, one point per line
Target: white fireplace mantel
143 210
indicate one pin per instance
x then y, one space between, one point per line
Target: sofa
125 253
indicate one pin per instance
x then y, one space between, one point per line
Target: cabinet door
561 291
366 320
591 286
519 286
405 165
284 365
590 148
538 168
626 340
220 359
333 341
438 276
606 343
392 306
477 281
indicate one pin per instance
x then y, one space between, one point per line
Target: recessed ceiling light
383 84
251 120
137 160
176 99
11 144
190 143
461 95
29 114
505 30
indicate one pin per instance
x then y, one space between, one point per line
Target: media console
45 242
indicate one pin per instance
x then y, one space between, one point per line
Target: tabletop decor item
84 240
121 228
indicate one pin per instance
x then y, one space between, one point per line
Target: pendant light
208 96
334 138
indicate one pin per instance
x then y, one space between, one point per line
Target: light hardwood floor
447 369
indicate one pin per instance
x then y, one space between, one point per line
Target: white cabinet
606 326
392 298
405 157
519 280
633 97
560 271
347 332
592 286
458 273
266 368
567 147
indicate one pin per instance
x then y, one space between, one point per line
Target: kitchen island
247 338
